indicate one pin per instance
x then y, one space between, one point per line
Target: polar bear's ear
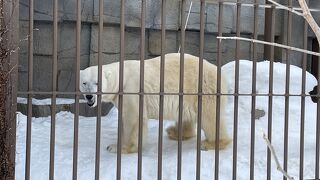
107 74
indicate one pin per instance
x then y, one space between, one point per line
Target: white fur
131 82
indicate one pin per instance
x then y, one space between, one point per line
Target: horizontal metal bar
165 93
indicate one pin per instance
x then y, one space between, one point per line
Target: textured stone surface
42 57
154 42
43 10
111 35
111 44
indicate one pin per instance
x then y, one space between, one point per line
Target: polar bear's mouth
90 103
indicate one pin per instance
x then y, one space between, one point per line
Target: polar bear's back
172 74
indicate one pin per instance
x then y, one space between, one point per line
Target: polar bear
131 84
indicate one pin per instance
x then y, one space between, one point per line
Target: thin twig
307 15
271 44
264 6
286 8
187 20
274 155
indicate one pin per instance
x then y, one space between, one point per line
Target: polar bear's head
89 85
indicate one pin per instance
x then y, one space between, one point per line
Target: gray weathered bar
270 99
141 88
98 123
181 82
161 96
120 99
77 82
267 30
54 88
30 88
157 93
200 89
317 165
236 96
218 103
303 97
287 90
254 91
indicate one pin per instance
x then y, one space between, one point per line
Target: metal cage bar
303 98
161 96
54 88
236 95
120 98
141 88
181 83
270 99
165 93
254 91
317 153
77 95
98 120
200 84
30 87
218 103
287 90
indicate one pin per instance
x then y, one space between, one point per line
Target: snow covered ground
64 137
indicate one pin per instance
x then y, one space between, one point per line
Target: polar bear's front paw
112 148
173 133
207 145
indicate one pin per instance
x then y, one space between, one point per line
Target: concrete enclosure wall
43 14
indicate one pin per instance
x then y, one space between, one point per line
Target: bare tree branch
271 44
309 18
286 8
274 155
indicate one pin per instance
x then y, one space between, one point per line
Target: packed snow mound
262 78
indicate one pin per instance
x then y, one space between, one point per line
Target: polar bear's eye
84 83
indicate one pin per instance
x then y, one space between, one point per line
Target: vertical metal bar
287 91
54 88
30 87
254 91
161 97
236 96
120 105
218 107
98 123
141 89
303 97
181 82
200 89
267 30
77 96
270 94
314 62
317 165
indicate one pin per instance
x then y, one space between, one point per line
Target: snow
86 160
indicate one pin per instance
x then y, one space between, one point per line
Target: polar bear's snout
90 100
89 97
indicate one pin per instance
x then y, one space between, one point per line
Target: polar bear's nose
89 97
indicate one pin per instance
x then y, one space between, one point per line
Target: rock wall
111 35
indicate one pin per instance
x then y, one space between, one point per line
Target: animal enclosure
268 88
